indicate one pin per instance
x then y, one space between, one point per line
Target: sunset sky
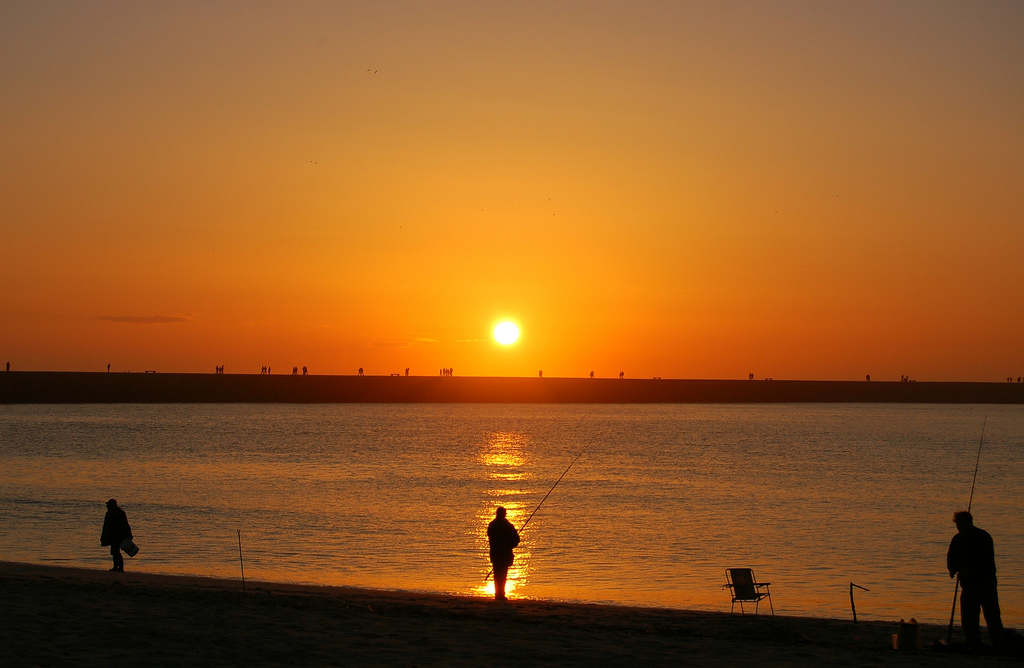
691 190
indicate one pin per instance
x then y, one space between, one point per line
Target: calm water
398 496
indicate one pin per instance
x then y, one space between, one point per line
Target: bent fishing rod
490 572
956 587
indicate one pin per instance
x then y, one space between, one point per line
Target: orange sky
798 190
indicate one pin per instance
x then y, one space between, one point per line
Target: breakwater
56 387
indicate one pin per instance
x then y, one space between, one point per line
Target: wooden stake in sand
852 606
240 564
952 613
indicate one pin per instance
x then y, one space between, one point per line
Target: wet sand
72 616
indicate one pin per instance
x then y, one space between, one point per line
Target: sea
656 502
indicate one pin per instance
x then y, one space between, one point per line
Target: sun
506 333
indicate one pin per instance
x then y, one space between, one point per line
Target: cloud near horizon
146 320
401 343
391 344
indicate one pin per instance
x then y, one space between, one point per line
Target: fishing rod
490 572
956 587
242 565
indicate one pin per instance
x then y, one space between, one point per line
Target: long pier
62 387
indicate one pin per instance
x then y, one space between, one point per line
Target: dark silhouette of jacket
115 527
973 556
502 537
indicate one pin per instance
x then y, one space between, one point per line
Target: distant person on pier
502 537
9 367
971 556
108 367
115 530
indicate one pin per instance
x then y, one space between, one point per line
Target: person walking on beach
115 530
972 556
503 537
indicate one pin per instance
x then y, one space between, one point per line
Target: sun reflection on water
505 455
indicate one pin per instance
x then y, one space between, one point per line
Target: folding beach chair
746 589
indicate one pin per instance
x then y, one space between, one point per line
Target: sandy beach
64 616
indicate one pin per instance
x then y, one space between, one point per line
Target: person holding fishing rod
502 537
971 556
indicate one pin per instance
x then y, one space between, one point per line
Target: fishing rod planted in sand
240 564
490 572
956 587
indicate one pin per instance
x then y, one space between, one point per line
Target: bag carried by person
130 548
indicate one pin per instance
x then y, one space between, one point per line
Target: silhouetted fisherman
502 537
972 556
115 530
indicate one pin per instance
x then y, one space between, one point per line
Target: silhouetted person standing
115 530
972 556
503 537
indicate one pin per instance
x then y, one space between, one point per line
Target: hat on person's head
963 517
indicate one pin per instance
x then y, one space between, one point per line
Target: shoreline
55 614
67 387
